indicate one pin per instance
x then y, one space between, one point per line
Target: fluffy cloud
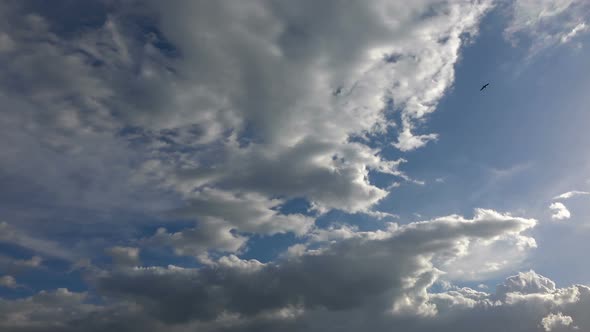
45 311
560 212
124 256
212 235
378 280
222 112
164 107
557 322
246 212
389 270
459 309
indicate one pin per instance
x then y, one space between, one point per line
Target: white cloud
526 283
228 119
221 112
560 212
547 23
246 212
571 194
555 322
577 29
407 141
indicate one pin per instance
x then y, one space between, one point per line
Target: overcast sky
266 165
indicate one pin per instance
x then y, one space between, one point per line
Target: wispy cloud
11 234
571 194
547 23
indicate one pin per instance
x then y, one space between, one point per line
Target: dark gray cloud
374 280
388 270
124 256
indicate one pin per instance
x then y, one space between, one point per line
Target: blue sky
270 164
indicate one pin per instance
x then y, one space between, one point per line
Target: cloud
8 282
155 107
225 221
14 265
525 283
577 29
526 302
556 322
44 311
560 212
246 212
407 141
124 256
376 279
212 235
222 113
571 194
546 23
11 234
315 279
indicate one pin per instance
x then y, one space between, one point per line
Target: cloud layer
370 280
148 147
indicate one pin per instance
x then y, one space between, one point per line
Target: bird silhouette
485 86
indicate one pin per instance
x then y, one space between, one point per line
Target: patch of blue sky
501 134
89 14
269 248
511 147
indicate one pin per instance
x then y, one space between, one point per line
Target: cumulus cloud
556 322
391 269
150 105
560 211
222 113
212 235
373 279
45 311
526 302
230 119
526 283
246 212
124 256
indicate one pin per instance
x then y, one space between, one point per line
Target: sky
270 165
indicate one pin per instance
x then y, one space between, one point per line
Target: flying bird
485 86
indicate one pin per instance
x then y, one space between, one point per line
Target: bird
485 86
